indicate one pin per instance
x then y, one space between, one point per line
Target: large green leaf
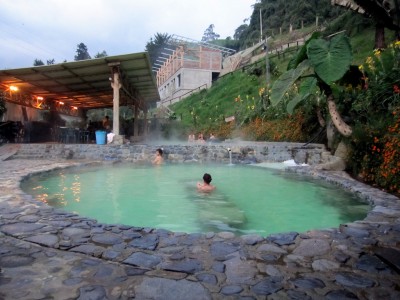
308 87
294 102
285 82
330 59
302 53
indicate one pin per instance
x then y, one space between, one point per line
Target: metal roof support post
116 85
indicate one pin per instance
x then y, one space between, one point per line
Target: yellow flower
361 67
377 52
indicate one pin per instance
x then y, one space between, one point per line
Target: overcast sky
52 29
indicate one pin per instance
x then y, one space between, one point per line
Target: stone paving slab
47 253
8 150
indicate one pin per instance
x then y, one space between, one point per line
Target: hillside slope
207 110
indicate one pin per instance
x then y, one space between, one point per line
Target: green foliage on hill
209 108
278 15
367 99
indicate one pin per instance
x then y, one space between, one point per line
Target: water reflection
215 212
247 199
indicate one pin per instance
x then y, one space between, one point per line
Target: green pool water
247 200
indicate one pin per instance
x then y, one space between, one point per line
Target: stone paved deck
46 253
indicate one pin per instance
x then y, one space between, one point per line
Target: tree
38 62
51 61
82 52
239 31
280 14
101 54
156 46
385 13
3 108
209 34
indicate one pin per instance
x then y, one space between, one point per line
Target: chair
72 136
84 136
62 134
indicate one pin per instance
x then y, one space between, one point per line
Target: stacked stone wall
255 152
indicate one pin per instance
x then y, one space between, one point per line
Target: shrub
375 141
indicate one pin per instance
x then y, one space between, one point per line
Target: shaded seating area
42 132
68 135
11 132
73 88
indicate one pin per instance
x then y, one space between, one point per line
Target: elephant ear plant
319 65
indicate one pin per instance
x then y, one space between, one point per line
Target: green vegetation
335 78
3 108
375 111
278 15
210 107
366 98
207 109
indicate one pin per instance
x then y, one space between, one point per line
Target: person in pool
158 160
206 186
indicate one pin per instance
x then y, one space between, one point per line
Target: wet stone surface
46 253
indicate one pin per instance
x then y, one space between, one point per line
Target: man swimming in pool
205 186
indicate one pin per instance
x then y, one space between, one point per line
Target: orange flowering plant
375 111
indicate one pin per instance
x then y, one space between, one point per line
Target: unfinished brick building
190 67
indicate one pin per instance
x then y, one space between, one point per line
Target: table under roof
86 84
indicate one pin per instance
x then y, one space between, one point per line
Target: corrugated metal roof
86 83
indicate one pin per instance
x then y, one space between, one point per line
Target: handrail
272 55
179 97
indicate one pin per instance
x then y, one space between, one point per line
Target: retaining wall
251 152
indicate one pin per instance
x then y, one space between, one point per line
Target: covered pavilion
71 88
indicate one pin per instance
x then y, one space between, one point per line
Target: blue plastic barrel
100 137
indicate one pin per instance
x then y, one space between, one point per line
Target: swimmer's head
207 178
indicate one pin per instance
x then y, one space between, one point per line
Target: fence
172 100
